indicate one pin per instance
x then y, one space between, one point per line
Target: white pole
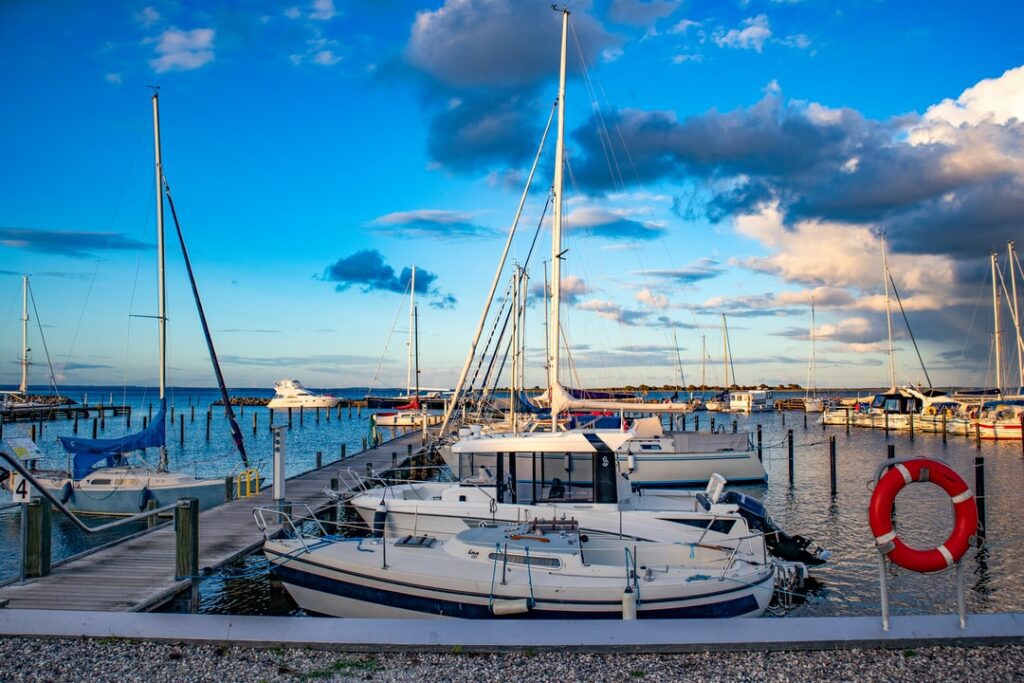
161 291
512 392
725 351
1016 315
703 360
888 315
556 232
454 402
23 387
412 305
814 357
997 331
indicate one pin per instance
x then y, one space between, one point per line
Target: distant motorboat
289 393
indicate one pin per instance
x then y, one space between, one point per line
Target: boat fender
631 462
628 604
500 608
66 491
965 512
144 496
380 520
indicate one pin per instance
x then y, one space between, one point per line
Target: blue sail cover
524 405
88 452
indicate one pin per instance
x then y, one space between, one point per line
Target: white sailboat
103 479
653 457
812 403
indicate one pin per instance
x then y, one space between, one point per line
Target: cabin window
720 526
100 482
650 447
549 562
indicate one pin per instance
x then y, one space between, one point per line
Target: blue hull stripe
447 608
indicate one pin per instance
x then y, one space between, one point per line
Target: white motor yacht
289 393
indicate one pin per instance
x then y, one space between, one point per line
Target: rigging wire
910 331
42 337
387 342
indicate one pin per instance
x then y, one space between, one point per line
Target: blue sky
736 157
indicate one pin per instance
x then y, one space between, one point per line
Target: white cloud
649 298
326 58
611 54
114 78
293 13
683 26
147 17
683 58
183 50
323 10
321 51
752 36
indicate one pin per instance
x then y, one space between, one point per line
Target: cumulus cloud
179 50
573 289
431 223
649 298
367 269
641 12
491 58
752 34
66 242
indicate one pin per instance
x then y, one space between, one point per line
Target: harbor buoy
965 512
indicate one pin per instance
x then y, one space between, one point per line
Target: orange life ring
965 511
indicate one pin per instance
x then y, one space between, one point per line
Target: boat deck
137 574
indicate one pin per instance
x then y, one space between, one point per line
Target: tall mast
1016 314
556 231
813 369
679 359
513 389
725 351
23 387
703 360
998 332
416 354
161 290
412 341
888 314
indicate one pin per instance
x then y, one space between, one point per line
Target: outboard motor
794 548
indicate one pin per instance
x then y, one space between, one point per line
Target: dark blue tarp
88 452
526 406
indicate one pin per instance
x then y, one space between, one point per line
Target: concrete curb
379 635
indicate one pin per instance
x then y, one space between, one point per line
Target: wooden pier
66 411
137 574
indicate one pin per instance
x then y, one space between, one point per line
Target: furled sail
88 452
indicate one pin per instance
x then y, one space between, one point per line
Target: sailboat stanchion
883 586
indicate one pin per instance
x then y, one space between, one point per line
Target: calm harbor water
848 585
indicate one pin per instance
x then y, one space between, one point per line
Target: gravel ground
25 659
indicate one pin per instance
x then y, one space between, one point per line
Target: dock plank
138 573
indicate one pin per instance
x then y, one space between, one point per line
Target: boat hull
130 499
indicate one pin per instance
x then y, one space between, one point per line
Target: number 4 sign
20 488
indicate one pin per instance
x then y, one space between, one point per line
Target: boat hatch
411 541
533 561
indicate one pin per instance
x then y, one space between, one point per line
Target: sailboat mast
416 349
556 232
997 332
1011 252
888 315
703 360
725 351
23 387
161 289
412 333
679 359
513 389
814 355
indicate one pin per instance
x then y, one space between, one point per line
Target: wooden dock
137 574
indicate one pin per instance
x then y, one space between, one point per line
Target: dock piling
32 433
36 539
186 539
759 453
977 434
789 439
151 521
144 422
979 492
181 433
394 459
229 488
209 417
128 418
192 417
319 459
254 423
364 443
735 426
944 427
302 415
911 426
832 463
344 448
95 426
890 452
289 418
696 423
318 415
805 419
712 423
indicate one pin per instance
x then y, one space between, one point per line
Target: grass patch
637 674
338 666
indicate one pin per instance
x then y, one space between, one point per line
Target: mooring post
805 418
847 411
302 415
151 521
32 433
95 426
759 456
327 413
789 438
979 492
408 451
735 426
192 417
696 423
783 412
172 413
270 423
144 422
911 426
364 443
344 449
977 434
318 415
36 545
712 423
319 459
349 411
150 412
832 463
103 419
128 418
186 539
944 427
890 453
394 459
74 430
209 417
289 418
254 423
886 413
229 488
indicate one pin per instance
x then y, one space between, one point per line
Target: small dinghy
537 570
